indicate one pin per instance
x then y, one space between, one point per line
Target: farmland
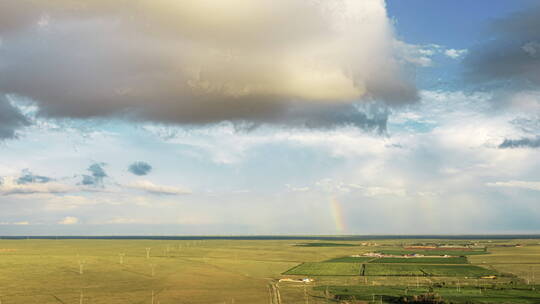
350 259
401 260
455 294
324 269
440 252
327 244
427 270
451 260
247 272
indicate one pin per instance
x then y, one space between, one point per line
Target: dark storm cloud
140 168
371 117
521 143
96 177
28 178
511 53
11 119
189 62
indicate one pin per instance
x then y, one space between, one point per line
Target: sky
204 117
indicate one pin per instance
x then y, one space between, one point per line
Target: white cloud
69 220
517 184
23 223
150 187
420 55
423 54
333 186
454 53
9 186
126 220
296 188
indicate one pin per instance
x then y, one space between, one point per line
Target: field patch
457 271
427 270
392 270
325 245
350 259
433 252
451 294
326 269
424 260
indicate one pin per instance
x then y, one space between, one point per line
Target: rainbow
337 214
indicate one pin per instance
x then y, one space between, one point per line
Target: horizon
490 238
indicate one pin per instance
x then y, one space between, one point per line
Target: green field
467 271
427 270
243 271
377 269
454 294
433 252
326 269
452 260
392 270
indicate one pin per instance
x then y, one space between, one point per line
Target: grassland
234 271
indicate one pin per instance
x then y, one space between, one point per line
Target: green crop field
451 260
433 252
457 271
349 259
244 271
427 270
348 269
452 294
392 270
326 269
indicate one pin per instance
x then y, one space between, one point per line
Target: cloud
370 117
333 186
527 101
11 185
98 174
417 54
517 184
455 54
140 168
199 62
28 178
124 220
521 143
150 187
69 220
297 189
510 54
22 223
423 55
11 118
